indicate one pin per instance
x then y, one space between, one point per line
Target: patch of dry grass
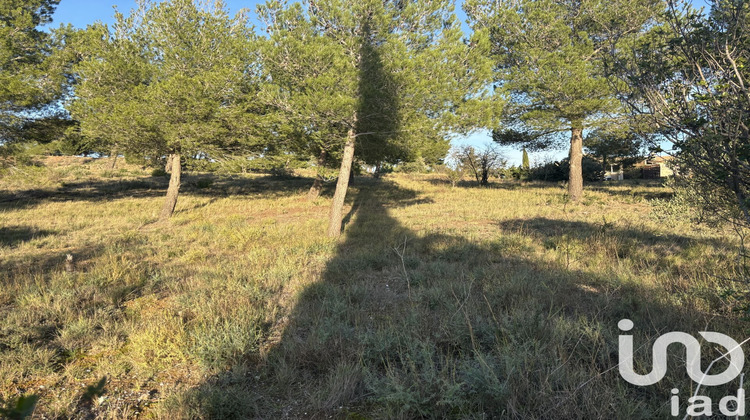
437 301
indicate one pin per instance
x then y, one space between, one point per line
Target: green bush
159 172
515 172
204 183
559 171
633 173
685 206
418 166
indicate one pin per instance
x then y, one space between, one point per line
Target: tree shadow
409 325
82 191
44 261
149 187
267 186
378 113
629 239
11 236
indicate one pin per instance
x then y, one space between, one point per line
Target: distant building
655 167
613 175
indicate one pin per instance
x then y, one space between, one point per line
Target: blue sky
80 13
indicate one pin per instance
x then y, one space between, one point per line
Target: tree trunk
334 224
485 177
174 187
317 185
575 179
113 157
378 170
168 165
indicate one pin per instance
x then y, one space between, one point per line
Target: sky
80 13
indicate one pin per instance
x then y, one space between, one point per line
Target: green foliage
455 174
159 172
551 56
682 208
401 77
633 173
553 64
31 77
23 56
559 171
706 54
418 166
613 147
515 172
173 77
525 160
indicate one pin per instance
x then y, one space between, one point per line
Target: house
613 175
655 167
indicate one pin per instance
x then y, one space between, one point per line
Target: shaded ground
408 325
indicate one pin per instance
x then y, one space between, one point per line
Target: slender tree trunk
113 158
485 177
174 187
334 224
168 165
378 170
575 179
317 185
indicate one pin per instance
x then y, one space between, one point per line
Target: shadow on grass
404 325
606 187
11 236
44 262
662 244
148 187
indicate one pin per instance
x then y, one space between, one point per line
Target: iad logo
693 353
698 405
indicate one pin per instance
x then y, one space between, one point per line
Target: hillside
466 302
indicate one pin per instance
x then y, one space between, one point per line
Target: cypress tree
525 162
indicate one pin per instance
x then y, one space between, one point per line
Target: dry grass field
437 302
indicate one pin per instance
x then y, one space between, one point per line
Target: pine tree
552 58
613 147
28 77
373 75
173 79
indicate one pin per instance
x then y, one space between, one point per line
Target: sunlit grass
436 301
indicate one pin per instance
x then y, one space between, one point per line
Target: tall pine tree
551 65
373 76
175 78
29 79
